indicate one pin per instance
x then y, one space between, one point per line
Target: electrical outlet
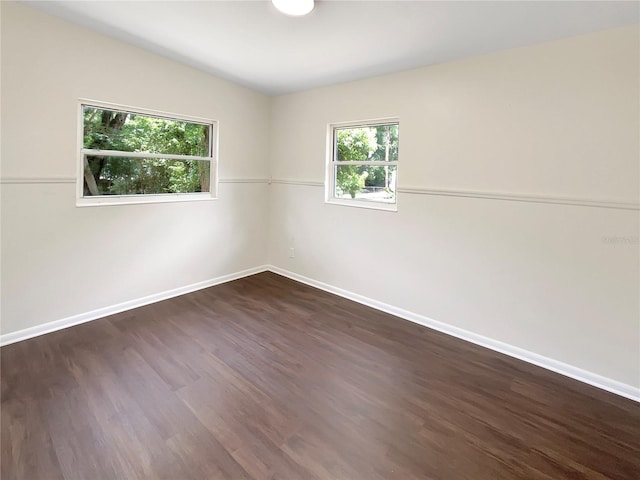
292 252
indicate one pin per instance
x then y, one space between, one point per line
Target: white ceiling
252 44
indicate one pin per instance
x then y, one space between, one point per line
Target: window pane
132 132
366 182
139 176
374 143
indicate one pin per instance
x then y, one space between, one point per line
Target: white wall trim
31 180
293 181
518 197
513 197
412 190
590 378
56 325
243 180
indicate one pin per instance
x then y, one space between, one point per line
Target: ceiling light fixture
295 8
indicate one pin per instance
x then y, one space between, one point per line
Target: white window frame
330 176
99 200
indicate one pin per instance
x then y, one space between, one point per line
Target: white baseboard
562 368
49 327
593 379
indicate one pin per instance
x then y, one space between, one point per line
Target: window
363 164
130 156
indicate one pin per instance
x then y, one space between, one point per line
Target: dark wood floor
265 378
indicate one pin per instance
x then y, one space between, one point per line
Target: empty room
320 240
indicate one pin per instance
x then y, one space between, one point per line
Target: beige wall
59 260
553 120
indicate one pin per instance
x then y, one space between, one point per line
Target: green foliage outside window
375 143
129 132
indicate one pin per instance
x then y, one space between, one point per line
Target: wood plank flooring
265 378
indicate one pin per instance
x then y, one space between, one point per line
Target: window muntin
363 164
130 153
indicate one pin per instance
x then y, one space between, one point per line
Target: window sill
110 200
388 207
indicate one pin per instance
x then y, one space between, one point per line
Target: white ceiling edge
491 27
